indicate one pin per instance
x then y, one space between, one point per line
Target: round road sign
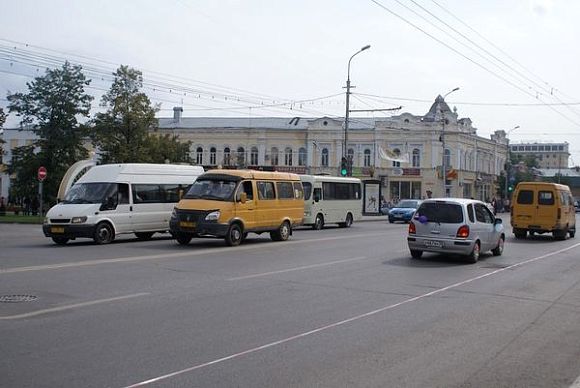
41 173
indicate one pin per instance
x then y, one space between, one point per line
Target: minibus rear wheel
282 233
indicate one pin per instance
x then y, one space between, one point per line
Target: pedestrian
429 193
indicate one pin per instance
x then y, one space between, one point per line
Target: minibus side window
285 190
123 190
545 198
298 190
266 190
307 190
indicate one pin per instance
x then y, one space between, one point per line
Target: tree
52 108
123 133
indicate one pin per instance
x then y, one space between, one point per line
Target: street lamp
443 167
368 46
508 161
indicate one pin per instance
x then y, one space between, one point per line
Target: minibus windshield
216 189
89 192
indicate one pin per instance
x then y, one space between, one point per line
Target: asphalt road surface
331 308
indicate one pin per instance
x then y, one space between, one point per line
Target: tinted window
448 213
470 213
298 191
525 197
245 187
307 190
545 198
482 214
147 193
285 190
266 190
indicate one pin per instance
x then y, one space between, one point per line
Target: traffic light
511 188
344 167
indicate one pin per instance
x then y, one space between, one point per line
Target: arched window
199 155
397 153
241 156
274 156
447 158
324 160
367 158
416 158
288 156
212 156
302 157
254 156
227 156
350 155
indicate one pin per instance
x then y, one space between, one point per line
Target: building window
324 160
367 158
240 156
302 157
416 158
227 156
350 155
199 155
447 158
397 153
254 156
288 156
274 156
212 156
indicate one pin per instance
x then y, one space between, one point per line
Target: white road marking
173 255
72 306
348 320
297 268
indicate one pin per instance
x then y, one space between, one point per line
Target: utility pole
443 166
346 117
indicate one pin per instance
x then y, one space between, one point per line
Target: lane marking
345 321
174 255
72 306
298 268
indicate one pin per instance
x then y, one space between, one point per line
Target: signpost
41 177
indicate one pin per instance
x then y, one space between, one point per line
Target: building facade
548 155
404 152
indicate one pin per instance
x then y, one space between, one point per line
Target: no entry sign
41 173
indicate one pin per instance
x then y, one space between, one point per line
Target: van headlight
78 220
213 216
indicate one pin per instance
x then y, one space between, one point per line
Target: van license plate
57 230
187 224
431 243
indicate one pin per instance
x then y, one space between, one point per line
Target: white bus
331 200
119 198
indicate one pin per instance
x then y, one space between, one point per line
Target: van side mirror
243 197
498 221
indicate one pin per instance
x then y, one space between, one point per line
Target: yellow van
233 203
541 207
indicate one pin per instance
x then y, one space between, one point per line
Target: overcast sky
519 66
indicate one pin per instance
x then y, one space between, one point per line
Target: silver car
457 226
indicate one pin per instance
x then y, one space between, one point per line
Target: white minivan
119 198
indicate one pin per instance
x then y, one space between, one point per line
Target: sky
515 62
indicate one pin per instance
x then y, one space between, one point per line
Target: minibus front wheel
234 236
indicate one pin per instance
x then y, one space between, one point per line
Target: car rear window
525 197
545 198
447 213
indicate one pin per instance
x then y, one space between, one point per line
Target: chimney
177 111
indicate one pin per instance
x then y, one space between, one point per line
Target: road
331 308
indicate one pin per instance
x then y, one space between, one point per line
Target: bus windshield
216 189
90 192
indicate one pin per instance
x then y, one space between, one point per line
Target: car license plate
57 229
187 224
435 244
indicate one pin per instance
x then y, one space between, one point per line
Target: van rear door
547 208
525 206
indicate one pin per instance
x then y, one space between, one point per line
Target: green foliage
23 168
52 108
123 132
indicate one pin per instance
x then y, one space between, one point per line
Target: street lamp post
443 166
508 161
344 155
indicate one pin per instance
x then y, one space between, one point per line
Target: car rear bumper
439 245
